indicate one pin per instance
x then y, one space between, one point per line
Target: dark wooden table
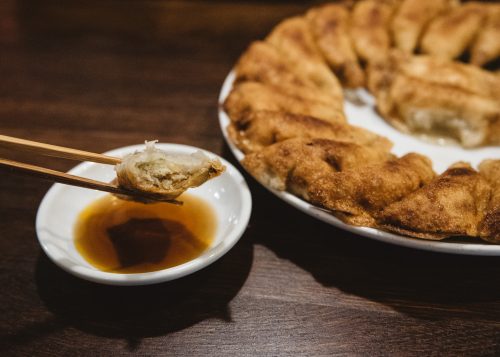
97 75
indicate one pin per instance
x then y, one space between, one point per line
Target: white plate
228 195
365 116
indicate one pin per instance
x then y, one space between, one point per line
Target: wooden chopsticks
10 142
65 178
61 177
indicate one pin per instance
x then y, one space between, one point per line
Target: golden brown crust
486 47
258 129
453 204
254 96
287 116
292 37
298 164
358 196
330 27
452 74
411 18
438 97
262 62
370 20
450 34
489 228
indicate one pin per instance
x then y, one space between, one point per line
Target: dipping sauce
126 237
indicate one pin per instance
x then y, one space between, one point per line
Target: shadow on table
133 313
421 284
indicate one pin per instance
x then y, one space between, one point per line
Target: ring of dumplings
286 113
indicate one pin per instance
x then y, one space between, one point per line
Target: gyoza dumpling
453 74
292 37
164 175
411 18
438 97
370 20
258 129
248 97
450 34
486 47
330 26
297 164
358 196
453 204
263 63
489 229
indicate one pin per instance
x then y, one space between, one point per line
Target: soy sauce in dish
120 236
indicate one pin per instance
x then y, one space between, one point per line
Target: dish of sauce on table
121 236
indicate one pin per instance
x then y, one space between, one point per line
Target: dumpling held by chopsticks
159 173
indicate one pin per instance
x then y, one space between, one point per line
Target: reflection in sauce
122 236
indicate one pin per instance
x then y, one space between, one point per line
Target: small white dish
228 195
366 116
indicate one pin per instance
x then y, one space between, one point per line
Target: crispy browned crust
248 97
453 204
427 95
293 38
494 133
486 46
434 71
286 111
358 196
412 17
489 229
262 62
450 34
256 130
298 164
369 29
330 27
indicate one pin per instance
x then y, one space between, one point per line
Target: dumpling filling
156 172
443 123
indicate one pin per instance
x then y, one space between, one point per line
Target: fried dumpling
258 129
486 47
451 73
330 27
262 62
370 20
437 97
254 96
292 37
419 107
358 196
296 164
453 204
450 34
489 229
412 17
163 175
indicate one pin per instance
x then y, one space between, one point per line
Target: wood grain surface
96 75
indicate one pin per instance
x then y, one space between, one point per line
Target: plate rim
159 276
482 249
